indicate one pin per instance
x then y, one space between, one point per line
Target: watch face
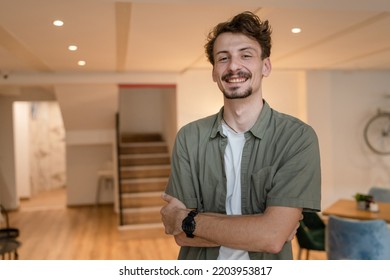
188 224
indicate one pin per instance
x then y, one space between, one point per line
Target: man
240 179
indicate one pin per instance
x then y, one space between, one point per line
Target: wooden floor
51 231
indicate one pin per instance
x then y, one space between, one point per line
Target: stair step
144 184
146 199
145 171
143 148
144 159
144 215
138 137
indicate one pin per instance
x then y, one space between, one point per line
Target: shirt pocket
260 185
213 194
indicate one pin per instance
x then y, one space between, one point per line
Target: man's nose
235 64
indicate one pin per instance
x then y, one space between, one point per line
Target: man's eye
246 56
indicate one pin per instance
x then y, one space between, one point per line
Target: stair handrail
118 144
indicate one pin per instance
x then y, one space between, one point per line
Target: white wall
39 147
87 107
197 96
319 108
141 110
149 110
285 91
21 118
47 146
169 116
8 191
83 163
89 117
341 103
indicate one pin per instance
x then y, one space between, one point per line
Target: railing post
118 144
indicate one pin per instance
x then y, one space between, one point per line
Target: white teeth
237 80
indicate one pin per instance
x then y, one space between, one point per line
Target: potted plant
363 201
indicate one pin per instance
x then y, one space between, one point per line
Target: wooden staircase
144 167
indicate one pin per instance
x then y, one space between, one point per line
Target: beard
235 93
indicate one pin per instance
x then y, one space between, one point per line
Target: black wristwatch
188 224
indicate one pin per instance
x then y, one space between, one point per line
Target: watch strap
189 224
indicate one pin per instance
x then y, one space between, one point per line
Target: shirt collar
260 126
258 129
217 127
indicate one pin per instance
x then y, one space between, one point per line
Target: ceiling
168 35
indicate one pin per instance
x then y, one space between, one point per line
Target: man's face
238 68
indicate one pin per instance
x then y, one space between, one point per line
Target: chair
311 233
357 239
380 194
8 235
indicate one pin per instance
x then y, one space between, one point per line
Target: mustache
239 74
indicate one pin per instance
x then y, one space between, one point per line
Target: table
347 208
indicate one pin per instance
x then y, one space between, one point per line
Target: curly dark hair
245 23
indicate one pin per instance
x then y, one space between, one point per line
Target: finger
166 197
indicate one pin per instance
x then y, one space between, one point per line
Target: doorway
40 163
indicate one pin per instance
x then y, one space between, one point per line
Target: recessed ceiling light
296 30
72 48
81 63
58 22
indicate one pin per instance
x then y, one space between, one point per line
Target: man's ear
267 67
214 75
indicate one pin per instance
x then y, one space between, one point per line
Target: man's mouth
237 78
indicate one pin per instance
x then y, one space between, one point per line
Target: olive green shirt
280 167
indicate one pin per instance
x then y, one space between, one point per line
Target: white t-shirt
233 155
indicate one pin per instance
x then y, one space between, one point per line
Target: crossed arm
266 232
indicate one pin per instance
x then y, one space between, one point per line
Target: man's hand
294 232
265 232
172 214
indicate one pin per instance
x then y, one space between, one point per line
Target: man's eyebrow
222 52
240 50
247 48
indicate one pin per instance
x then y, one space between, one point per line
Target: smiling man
241 178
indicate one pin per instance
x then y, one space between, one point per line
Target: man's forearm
266 232
182 240
260 233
